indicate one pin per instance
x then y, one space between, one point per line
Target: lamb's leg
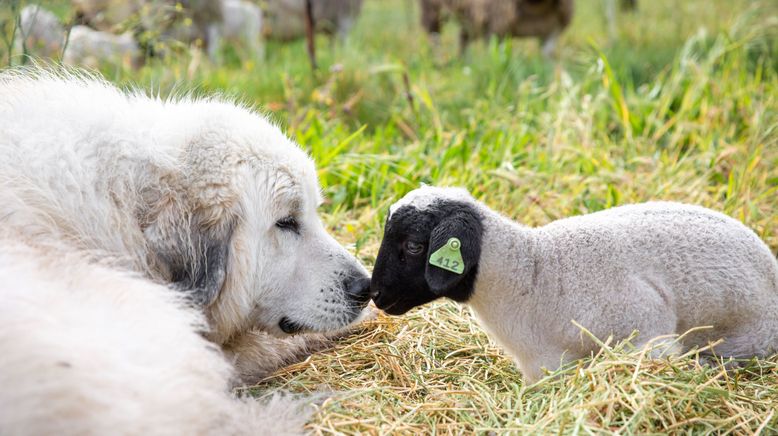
756 337
610 18
629 5
430 16
541 362
660 347
213 41
464 41
548 44
430 20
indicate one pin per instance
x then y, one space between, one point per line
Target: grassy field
682 104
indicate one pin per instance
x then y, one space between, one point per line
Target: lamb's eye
414 248
288 223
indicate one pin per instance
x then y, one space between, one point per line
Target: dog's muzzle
358 290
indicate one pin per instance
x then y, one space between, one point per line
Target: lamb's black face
403 277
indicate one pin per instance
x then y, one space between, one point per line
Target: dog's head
238 230
431 249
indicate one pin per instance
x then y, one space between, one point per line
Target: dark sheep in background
285 19
544 19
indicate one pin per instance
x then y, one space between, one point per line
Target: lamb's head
431 249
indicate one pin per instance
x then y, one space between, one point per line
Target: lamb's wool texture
118 194
660 268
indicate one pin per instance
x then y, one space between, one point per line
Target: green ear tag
449 257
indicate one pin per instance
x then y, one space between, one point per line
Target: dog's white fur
186 191
88 350
661 268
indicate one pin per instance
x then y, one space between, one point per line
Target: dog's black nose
358 289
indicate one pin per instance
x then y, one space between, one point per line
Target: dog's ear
201 272
189 249
460 231
188 218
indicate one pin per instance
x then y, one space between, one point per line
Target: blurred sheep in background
243 26
40 33
154 23
126 31
285 19
544 19
106 15
610 14
91 48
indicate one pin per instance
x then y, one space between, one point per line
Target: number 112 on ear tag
449 257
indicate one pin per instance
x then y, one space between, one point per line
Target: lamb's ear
201 273
459 231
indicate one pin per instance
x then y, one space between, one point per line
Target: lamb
660 268
544 19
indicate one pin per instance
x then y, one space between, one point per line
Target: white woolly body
661 268
92 175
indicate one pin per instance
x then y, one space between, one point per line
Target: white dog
659 268
114 208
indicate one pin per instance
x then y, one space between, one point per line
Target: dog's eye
414 248
288 223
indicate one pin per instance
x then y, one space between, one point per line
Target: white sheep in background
183 20
285 19
610 13
91 48
41 31
659 268
243 25
106 15
544 19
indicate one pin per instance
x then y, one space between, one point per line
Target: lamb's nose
359 289
374 293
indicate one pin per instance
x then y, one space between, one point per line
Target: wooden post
310 32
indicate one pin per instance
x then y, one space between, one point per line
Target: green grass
682 105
